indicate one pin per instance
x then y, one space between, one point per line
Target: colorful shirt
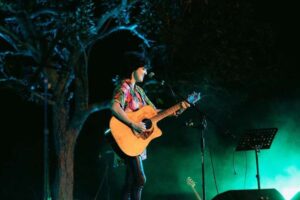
131 99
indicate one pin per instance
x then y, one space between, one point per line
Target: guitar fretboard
166 112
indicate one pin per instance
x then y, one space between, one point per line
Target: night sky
256 99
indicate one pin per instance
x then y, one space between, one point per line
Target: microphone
151 75
190 123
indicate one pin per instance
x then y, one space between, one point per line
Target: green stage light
289 193
296 197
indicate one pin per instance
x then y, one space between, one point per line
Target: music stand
256 139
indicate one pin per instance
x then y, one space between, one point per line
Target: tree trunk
64 172
64 147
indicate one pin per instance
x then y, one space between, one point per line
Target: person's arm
184 105
121 115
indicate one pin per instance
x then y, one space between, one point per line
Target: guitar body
130 142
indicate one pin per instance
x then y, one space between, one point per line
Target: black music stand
256 139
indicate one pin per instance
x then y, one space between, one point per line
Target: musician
129 97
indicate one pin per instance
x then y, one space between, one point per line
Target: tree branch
41 97
113 13
16 43
13 79
6 7
18 53
78 121
10 37
83 74
131 28
44 12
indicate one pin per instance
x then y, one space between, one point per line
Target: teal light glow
287 183
288 193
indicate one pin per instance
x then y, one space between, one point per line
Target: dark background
263 93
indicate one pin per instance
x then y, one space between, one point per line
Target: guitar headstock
194 97
190 182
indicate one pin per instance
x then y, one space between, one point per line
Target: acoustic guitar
133 143
192 183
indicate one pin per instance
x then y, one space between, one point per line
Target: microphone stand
202 126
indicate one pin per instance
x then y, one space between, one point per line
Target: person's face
139 74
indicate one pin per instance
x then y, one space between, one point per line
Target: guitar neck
167 112
196 193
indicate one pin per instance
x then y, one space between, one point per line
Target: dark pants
135 178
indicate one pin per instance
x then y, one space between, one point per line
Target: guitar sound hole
148 123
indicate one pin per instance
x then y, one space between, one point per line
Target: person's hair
132 61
